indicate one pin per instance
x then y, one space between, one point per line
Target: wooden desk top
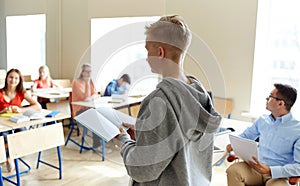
12 125
239 126
109 102
4 128
52 93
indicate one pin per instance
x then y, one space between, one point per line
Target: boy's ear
161 52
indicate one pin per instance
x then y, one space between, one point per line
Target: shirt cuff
276 172
123 139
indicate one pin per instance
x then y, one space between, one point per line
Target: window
118 47
26 42
277 50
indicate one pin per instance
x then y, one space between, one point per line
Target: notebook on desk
28 115
244 148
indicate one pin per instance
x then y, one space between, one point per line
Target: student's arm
113 88
34 86
94 93
288 170
32 103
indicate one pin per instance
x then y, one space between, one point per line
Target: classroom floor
87 169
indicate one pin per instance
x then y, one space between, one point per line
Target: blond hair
170 30
47 72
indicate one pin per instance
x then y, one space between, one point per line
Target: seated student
11 97
83 90
279 144
44 81
117 86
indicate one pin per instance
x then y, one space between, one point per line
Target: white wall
228 27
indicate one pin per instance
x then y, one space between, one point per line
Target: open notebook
28 115
243 148
104 121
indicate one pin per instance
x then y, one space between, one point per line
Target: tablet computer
244 148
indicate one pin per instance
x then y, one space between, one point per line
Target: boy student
176 123
117 86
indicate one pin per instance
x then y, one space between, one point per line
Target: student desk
222 138
52 93
103 102
5 122
16 150
239 126
4 128
109 102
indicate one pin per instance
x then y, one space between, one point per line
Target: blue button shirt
279 144
114 88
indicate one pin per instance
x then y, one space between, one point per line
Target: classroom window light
26 38
118 47
277 51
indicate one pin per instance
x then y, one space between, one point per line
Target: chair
61 106
36 140
84 133
220 153
294 180
73 125
65 83
2 157
223 106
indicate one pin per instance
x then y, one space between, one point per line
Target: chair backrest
294 180
2 150
35 140
71 106
223 106
65 83
61 106
27 78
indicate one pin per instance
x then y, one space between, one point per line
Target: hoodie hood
193 107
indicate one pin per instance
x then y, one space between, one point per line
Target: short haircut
170 30
287 93
126 78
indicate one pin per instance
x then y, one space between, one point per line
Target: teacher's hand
259 166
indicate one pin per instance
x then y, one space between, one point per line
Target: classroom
222 57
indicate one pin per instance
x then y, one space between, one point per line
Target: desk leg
59 162
1 178
38 162
129 110
103 149
82 139
17 172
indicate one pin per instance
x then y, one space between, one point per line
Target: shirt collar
283 119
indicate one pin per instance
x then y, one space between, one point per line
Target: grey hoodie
174 136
